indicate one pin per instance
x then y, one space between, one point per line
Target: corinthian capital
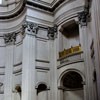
52 32
30 28
84 17
10 38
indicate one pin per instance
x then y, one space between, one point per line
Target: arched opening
72 85
70 43
42 92
41 87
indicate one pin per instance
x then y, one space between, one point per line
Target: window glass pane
0 1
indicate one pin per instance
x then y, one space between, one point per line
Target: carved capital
30 28
52 32
10 38
84 17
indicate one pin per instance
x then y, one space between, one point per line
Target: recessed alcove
72 86
72 80
70 34
42 92
70 41
41 87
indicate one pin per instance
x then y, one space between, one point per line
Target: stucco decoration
52 32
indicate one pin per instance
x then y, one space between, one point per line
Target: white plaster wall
43 95
1 96
48 1
68 6
17 80
68 42
42 76
74 95
42 50
9 5
2 56
42 33
2 52
11 25
2 81
60 44
39 17
18 54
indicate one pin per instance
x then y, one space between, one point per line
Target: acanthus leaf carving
52 32
30 28
10 38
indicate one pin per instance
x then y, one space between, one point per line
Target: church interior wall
48 67
45 77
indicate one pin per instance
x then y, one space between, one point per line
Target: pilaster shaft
9 40
28 62
52 34
96 35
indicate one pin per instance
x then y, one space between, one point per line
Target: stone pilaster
52 34
9 39
84 33
96 35
28 62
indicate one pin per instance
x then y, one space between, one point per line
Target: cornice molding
49 8
68 15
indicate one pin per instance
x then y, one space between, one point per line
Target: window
0 1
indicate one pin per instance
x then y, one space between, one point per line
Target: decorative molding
68 15
50 9
42 68
45 61
16 11
10 38
71 62
52 32
18 64
67 89
30 28
17 71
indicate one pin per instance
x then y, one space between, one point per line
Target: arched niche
72 81
42 91
18 88
70 34
41 87
71 85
